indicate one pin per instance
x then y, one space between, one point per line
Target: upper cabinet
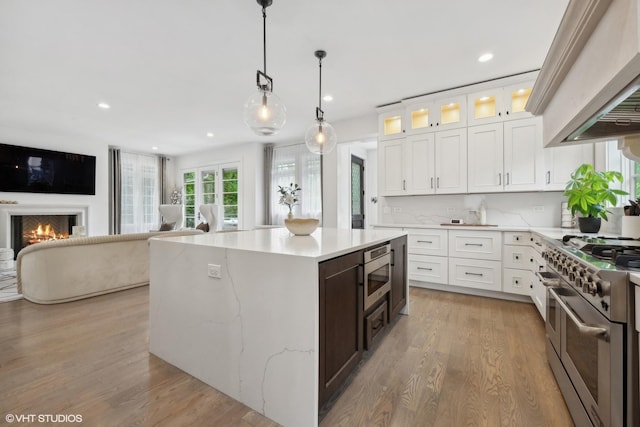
561 162
498 104
506 156
391 123
431 113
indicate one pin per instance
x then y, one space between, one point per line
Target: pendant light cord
320 87
264 37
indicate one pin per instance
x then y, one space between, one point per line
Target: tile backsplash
540 209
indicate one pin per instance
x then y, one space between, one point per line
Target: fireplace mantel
9 210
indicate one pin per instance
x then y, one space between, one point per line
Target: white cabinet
561 162
506 156
451 161
428 260
391 122
475 273
427 163
391 170
497 104
475 244
431 113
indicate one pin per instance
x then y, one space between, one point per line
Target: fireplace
30 229
62 218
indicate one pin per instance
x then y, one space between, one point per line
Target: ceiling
174 70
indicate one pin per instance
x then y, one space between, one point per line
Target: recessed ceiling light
210 135
485 57
104 105
154 148
327 98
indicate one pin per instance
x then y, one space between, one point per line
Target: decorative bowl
301 226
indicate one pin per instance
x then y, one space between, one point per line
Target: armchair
171 214
209 212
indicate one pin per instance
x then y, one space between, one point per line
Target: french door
218 185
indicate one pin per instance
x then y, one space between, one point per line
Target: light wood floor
456 361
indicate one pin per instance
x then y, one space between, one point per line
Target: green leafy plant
588 190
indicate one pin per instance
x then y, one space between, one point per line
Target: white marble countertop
550 232
322 244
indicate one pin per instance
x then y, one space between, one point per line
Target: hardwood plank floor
91 358
458 360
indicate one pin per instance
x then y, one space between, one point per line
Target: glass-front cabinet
391 122
433 114
499 103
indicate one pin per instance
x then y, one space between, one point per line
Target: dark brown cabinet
398 297
341 324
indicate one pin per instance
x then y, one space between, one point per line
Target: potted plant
588 190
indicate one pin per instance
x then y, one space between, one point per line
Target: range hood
589 85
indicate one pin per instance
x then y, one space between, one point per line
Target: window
217 185
140 193
295 164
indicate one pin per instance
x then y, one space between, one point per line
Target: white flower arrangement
288 195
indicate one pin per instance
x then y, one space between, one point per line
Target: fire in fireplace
43 233
29 229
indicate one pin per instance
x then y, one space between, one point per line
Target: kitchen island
241 311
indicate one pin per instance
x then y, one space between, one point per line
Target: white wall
98 205
250 157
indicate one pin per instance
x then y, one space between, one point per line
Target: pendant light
264 112
320 137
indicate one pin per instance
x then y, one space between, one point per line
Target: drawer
474 273
517 281
537 244
425 268
375 324
517 238
475 244
427 242
521 257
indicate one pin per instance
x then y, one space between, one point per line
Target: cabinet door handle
431 182
548 177
468 273
404 184
438 182
507 182
499 178
425 268
499 114
393 257
473 244
361 274
507 112
424 241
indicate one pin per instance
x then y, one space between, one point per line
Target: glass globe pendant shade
264 113
320 137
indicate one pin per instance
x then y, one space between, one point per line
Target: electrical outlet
397 210
538 209
450 210
214 271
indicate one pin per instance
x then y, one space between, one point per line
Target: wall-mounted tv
33 170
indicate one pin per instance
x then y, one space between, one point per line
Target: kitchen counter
240 311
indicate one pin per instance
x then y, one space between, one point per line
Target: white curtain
140 192
296 164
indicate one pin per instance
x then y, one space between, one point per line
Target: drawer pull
468 273
473 244
424 241
425 268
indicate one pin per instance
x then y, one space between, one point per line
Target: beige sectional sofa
66 270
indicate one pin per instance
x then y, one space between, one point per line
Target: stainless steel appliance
591 346
377 274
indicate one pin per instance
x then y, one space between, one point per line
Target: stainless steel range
591 344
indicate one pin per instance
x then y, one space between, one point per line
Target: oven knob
578 282
602 287
604 305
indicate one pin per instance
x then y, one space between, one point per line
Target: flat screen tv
33 170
